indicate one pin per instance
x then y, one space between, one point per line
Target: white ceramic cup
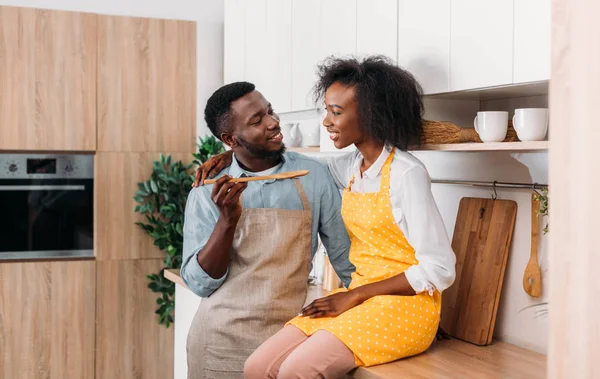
531 124
491 126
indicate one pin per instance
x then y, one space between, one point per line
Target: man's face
255 127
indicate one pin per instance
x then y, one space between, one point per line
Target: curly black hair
389 99
217 112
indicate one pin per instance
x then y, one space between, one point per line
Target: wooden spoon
532 279
283 175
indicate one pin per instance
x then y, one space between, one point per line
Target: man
248 247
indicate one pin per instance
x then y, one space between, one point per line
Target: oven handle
43 188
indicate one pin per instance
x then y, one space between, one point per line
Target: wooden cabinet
129 341
117 175
47 80
481 40
376 27
532 40
306 36
424 43
146 84
234 52
47 313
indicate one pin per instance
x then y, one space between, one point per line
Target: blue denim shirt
201 216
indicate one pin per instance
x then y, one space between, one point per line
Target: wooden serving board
481 241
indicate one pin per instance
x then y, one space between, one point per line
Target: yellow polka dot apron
383 328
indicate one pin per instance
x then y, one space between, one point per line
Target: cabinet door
306 40
338 28
146 84
481 41
129 341
48 313
424 42
47 80
257 44
278 50
532 40
117 236
376 27
234 41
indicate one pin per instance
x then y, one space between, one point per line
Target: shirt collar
375 168
236 171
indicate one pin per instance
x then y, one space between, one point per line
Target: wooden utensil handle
282 175
535 225
241 180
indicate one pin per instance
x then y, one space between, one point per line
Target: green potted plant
161 199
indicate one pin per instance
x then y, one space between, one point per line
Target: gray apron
266 286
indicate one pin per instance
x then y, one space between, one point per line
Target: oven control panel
38 166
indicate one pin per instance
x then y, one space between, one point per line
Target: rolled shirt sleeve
200 219
426 234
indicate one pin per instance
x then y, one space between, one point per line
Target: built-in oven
46 206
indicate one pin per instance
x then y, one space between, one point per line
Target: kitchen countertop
446 359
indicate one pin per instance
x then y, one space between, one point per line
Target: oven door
46 218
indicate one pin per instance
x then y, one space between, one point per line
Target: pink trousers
291 354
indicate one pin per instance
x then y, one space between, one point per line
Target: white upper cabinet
306 39
258 49
376 27
481 41
449 45
532 40
278 55
424 42
257 44
234 42
338 28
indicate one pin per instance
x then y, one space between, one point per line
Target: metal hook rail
495 184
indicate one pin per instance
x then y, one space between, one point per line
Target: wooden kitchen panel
146 84
129 341
47 320
115 183
47 80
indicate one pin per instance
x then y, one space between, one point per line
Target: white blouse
414 209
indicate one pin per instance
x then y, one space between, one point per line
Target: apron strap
385 174
302 194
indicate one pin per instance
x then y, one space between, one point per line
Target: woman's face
342 119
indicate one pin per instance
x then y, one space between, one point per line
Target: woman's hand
212 167
332 305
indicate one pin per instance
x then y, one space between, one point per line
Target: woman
400 248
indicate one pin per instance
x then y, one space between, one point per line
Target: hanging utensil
283 175
532 279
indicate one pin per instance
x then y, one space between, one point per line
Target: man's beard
259 152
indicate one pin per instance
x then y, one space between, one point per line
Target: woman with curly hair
399 244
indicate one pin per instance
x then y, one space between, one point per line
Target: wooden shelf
483 146
487 146
315 149
538 88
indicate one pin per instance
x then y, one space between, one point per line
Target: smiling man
248 247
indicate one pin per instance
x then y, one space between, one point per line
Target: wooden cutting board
481 242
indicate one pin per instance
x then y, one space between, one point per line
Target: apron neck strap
385 173
302 194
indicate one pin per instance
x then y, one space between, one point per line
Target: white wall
208 15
